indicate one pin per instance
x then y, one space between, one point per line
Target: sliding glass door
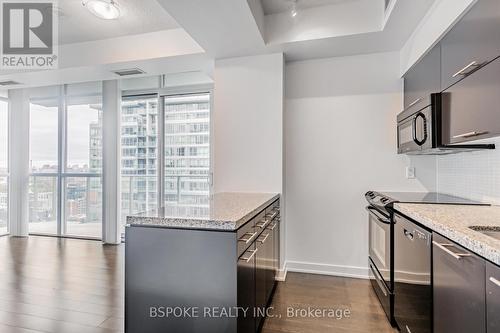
65 190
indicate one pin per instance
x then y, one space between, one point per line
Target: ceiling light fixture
294 11
104 9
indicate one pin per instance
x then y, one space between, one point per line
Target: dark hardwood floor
73 286
308 291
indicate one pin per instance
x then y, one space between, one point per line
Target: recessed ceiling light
294 11
105 9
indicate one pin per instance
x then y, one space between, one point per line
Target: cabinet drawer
493 298
247 234
459 288
473 41
471 108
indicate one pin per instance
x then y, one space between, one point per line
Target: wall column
111 104
19 162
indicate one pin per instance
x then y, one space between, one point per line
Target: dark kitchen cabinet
422 80
260 281
184 268
492 298
471 108
246 290
471 43
458 288
256 270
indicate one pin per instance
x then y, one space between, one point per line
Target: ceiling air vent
129 71
8 83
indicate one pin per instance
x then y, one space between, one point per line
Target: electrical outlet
410 172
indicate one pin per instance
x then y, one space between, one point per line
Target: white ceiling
77 24
280 6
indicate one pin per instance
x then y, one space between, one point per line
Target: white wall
340 141
248 118
248 128
435 24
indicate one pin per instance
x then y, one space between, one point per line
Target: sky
43 134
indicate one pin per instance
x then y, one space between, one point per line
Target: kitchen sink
490 231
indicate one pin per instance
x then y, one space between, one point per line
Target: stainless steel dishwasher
412 276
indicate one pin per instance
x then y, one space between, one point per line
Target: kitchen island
202 268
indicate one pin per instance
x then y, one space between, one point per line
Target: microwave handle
414 128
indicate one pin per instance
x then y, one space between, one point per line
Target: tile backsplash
472 175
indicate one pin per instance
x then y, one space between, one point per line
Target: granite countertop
220 211
453 222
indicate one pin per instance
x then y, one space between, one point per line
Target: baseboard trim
282 274
326 269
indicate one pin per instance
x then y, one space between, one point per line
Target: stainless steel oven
379 245
380 258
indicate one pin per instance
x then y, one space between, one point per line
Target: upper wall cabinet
422 80
473 42
471 108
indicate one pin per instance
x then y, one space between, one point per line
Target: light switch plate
410 172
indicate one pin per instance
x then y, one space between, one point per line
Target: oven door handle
377 215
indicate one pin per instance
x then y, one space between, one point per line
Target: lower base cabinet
257 269
459 288
493 298
246 290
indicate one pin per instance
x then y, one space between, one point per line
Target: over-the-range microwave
420 131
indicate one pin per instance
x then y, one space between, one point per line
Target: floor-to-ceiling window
65 188
4 166
139 151
165 150
187 151
44 160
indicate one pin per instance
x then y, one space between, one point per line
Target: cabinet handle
495 281
261 224
247 240
463 71
457 256
408 234
468 134
273 227
414 102
251 256
264 240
